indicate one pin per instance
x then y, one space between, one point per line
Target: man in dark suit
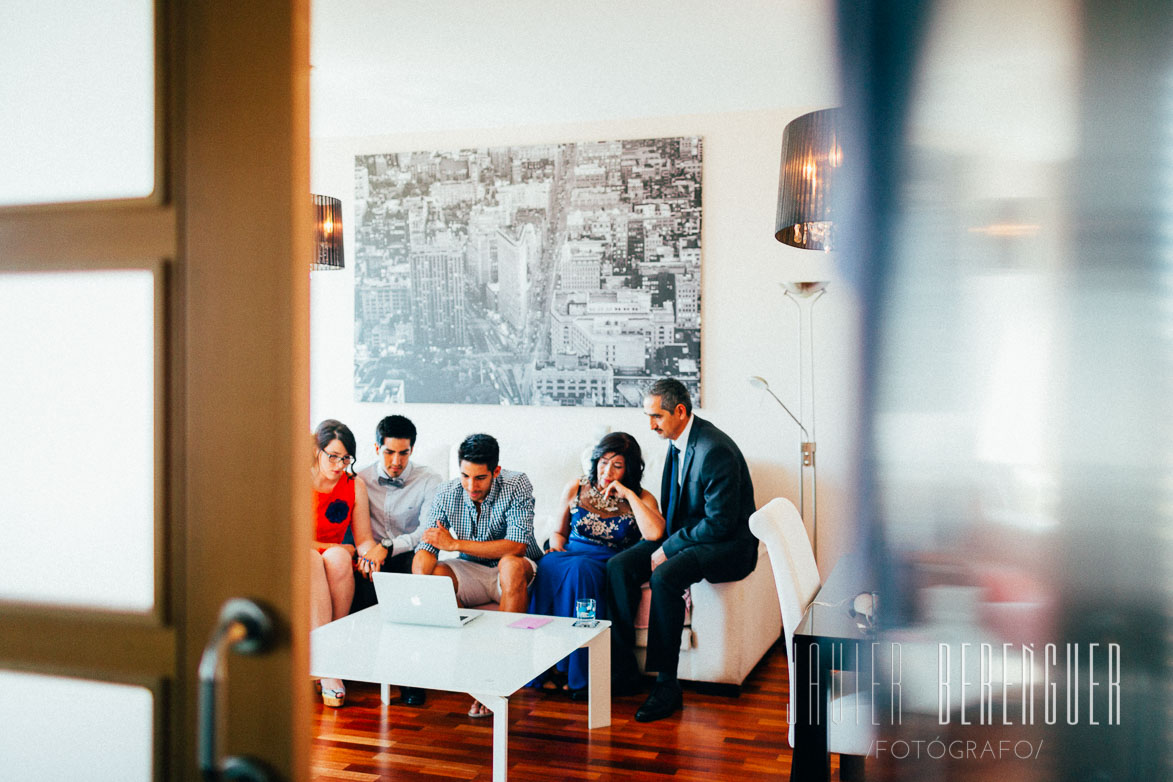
708 498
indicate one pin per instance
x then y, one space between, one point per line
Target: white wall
748 328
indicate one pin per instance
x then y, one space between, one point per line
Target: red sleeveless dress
333 511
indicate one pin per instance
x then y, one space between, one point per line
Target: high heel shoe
333 697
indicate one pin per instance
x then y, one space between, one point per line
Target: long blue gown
580 572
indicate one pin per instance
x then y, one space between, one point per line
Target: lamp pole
805 295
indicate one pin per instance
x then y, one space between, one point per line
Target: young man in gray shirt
400 492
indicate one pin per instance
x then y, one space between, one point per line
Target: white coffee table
485 658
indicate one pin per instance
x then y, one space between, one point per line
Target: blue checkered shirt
506 513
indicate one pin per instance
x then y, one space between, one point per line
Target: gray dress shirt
396 510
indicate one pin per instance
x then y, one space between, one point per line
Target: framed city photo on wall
548 274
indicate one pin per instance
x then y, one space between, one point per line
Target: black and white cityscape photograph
550 274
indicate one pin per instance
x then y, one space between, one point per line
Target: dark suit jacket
716 500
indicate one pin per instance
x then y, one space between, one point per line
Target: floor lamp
811 159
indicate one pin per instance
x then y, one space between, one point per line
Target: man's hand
658 557
439 537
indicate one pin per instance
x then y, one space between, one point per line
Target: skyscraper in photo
437 304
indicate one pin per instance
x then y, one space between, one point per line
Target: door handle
245 628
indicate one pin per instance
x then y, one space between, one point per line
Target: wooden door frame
244 210
228 235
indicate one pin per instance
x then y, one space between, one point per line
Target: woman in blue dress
603 513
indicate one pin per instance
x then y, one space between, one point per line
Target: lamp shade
327 233
811 157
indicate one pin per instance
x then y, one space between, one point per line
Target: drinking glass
584 610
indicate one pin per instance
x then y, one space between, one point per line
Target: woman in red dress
340 503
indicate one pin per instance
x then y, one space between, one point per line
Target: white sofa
732 625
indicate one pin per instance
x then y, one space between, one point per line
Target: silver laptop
420 600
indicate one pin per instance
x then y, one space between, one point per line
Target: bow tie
396 482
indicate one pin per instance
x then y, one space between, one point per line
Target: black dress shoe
413 696
663 702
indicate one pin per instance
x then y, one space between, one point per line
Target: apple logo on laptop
415 601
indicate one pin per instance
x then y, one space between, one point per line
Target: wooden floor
714 738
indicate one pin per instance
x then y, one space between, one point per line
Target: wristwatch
388 543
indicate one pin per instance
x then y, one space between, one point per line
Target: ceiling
396 66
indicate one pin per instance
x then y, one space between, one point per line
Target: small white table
485 658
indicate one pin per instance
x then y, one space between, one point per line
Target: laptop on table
406 598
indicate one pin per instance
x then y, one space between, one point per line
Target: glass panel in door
58 729
77 509
79 101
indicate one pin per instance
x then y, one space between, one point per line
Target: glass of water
584 610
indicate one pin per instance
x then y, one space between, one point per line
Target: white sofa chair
731 625
780 528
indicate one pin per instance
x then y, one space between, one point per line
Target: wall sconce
327 234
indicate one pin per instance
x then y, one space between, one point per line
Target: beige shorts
477 584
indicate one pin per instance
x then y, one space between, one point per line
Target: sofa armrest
733 625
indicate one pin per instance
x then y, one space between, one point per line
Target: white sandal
333 697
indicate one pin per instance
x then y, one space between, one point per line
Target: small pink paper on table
531 622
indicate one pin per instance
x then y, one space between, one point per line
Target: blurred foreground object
1012 235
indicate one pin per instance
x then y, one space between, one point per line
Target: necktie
674 483
396 482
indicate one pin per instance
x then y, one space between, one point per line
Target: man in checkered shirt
487 516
